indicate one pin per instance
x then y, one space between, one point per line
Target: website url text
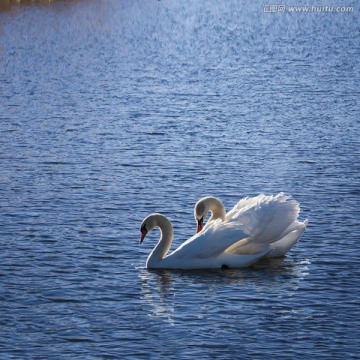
306 9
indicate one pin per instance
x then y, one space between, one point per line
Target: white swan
215 247
268 220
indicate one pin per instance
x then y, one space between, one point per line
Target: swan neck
217 209
164 244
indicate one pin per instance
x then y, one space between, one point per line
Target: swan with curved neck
214 248
166 238
205 205
260 214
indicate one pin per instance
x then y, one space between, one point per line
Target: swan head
206 204
143 231
199 213
152 221
147 225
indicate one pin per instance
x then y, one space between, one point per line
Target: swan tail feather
288 240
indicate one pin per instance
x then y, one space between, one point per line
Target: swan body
270 220
214 248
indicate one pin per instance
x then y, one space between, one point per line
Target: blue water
112 110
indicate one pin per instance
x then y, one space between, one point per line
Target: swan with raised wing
213 248
268 220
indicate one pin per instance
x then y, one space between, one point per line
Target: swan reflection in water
158 292
166 292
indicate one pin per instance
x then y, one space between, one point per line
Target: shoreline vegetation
6 5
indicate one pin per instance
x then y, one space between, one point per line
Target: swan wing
243 204
264 218
211 242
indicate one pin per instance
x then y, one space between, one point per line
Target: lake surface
112 110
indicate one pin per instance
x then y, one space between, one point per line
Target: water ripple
112 111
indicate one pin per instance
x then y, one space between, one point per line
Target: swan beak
200 224
143 234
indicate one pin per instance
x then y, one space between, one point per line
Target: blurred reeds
6 5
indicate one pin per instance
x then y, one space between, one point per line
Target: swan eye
143 229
